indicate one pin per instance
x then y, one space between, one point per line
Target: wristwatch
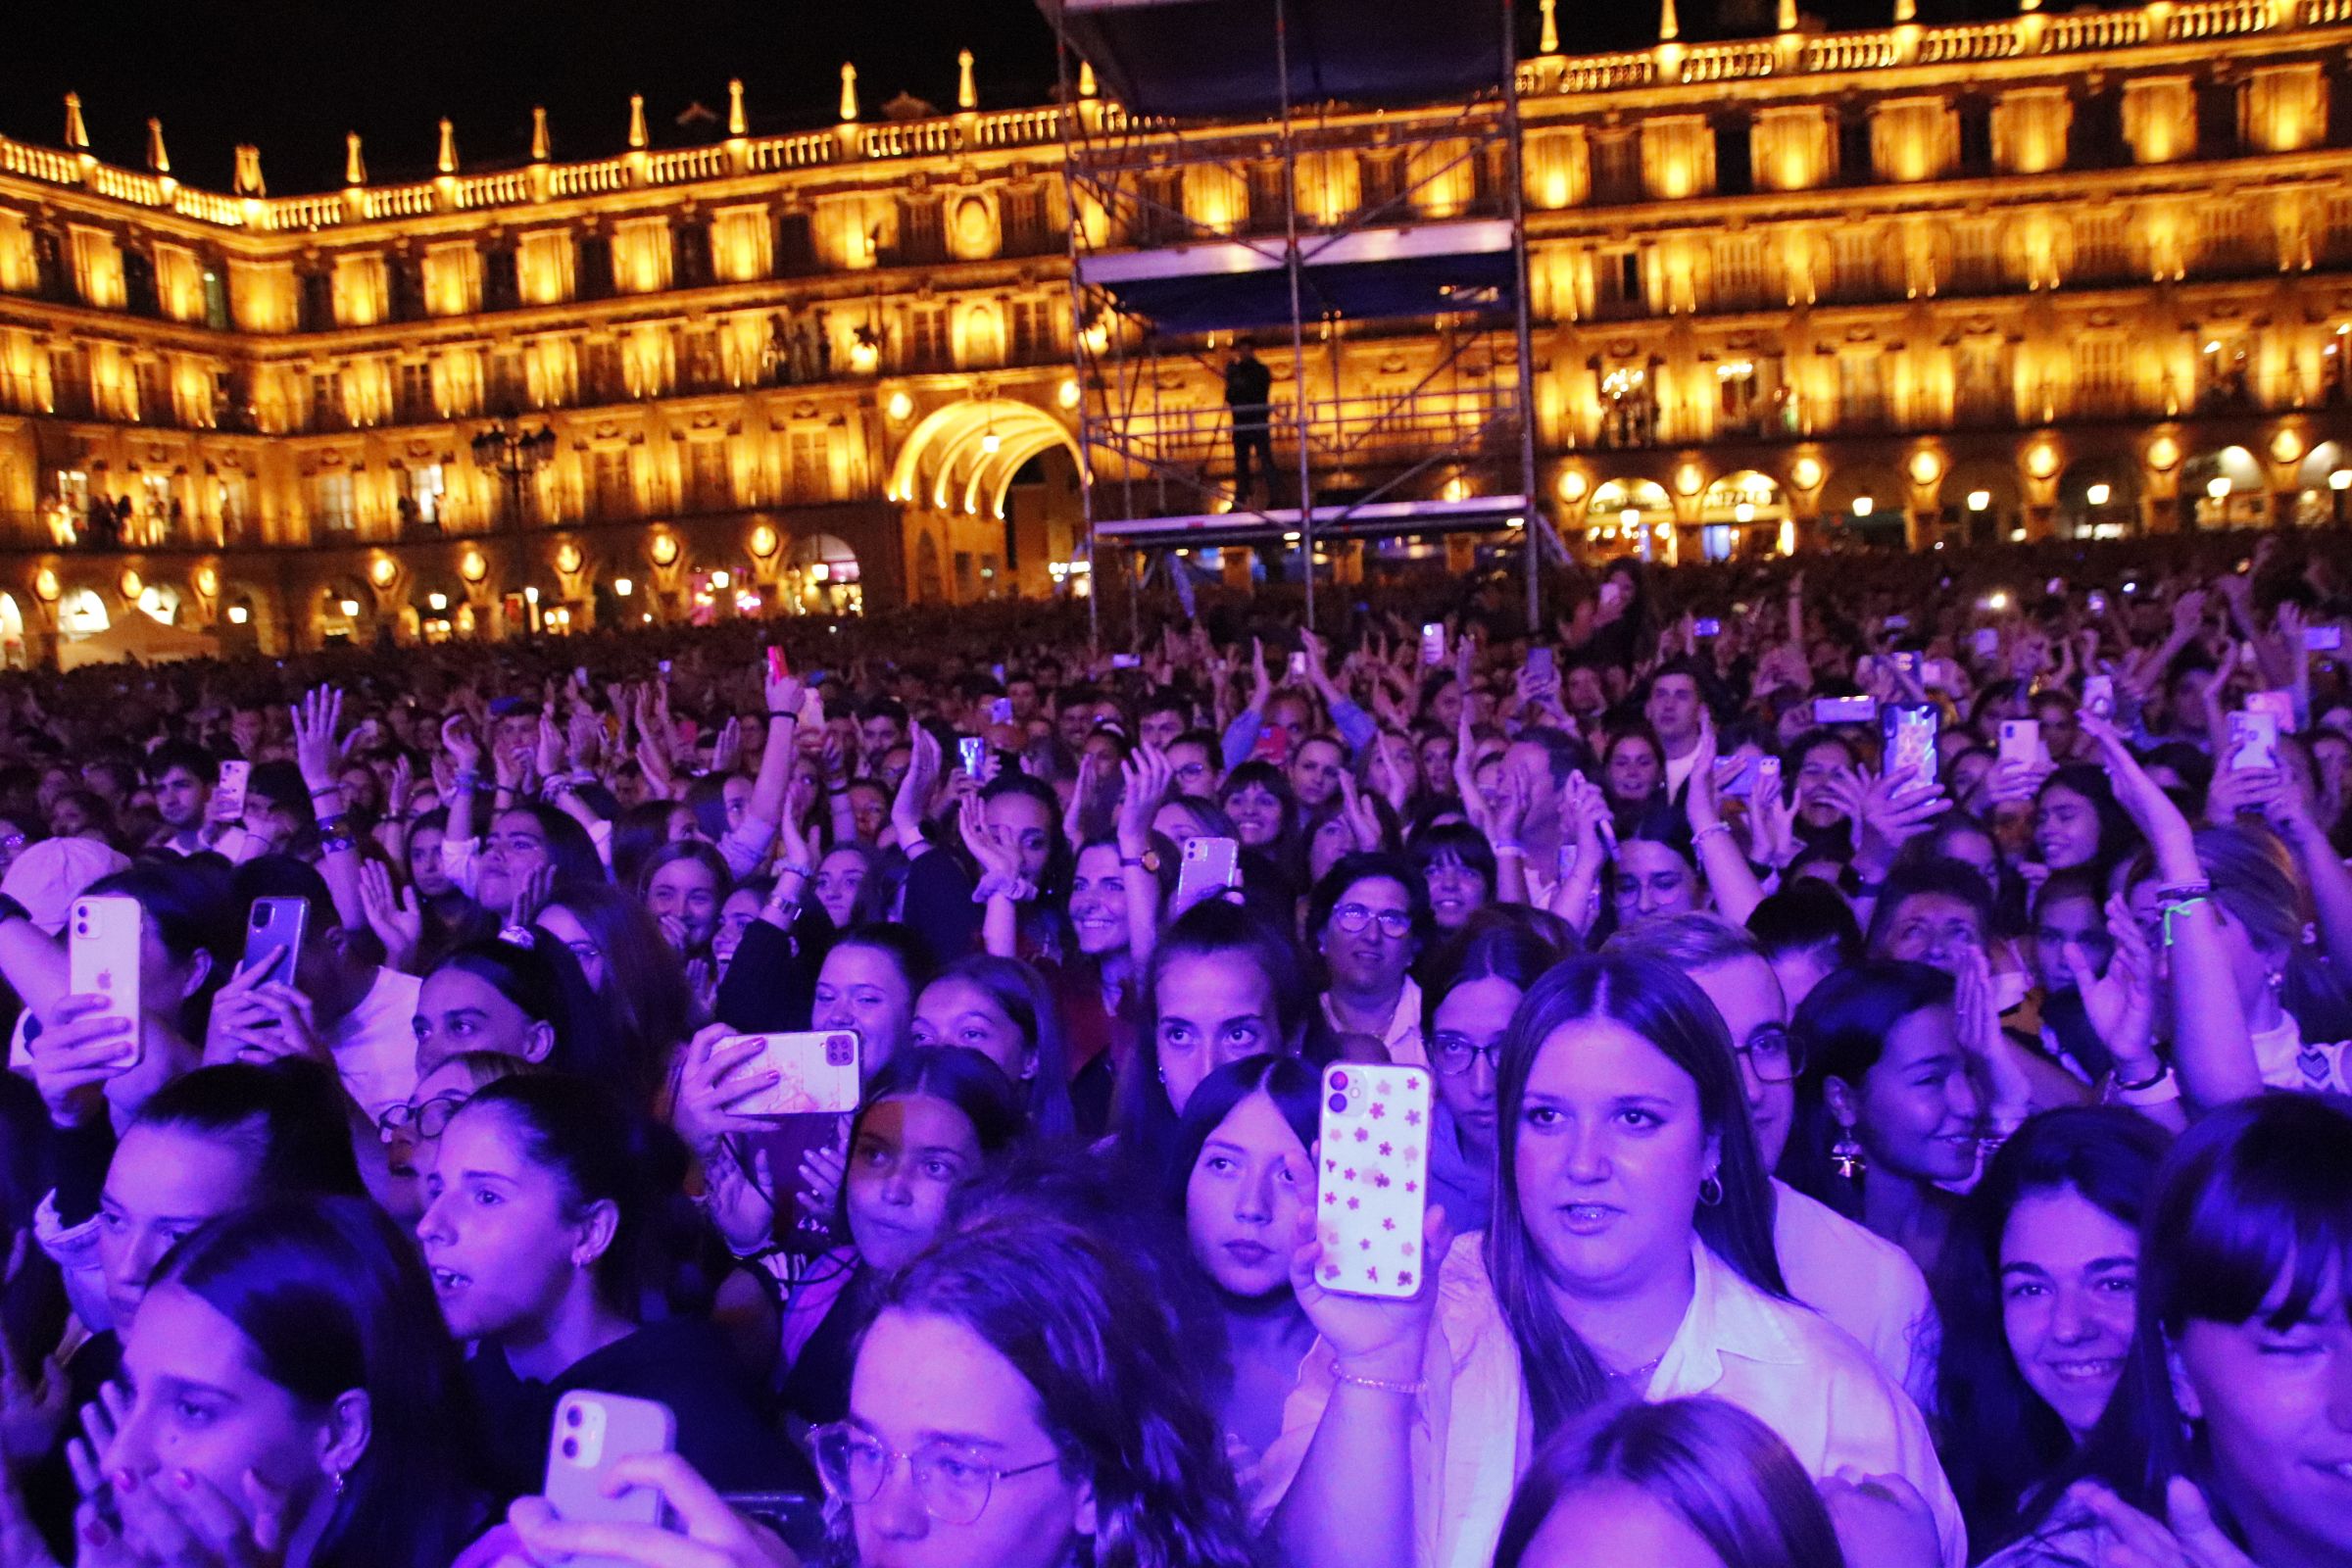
1149 860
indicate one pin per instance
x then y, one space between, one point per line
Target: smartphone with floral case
1374 1182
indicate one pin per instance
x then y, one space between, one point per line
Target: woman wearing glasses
1369 919
1474 986
411 1131
1866 1286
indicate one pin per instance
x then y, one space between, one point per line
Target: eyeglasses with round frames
1353 917
428 1120
953 1487
1452 1056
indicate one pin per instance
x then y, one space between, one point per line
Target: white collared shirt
1861 1282
1473 1433
1402 1036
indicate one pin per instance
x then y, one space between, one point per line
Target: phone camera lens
572 1448
1338 1079
571 1416
1339 1102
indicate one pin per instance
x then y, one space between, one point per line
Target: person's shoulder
1811 1231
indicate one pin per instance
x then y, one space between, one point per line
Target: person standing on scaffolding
1249 387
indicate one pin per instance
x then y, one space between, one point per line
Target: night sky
293 75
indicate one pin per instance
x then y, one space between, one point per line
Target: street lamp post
514 454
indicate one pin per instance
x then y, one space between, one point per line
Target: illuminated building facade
2060 274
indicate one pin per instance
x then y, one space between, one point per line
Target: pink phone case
1374 1183
102 955
816 1072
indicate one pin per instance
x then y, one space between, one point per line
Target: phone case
1768 778
1374 1184
2253 739
274 926
2098 696
1433 643
972 751
1211 865
592 1431
231 785
1000 711
816 1071
2020 741
102 950
1910 734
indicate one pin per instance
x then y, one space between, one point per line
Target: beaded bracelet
1411 1391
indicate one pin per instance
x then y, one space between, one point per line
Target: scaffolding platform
1391 271
1218 58
1373 519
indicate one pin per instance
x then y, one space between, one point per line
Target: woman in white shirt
1630 1256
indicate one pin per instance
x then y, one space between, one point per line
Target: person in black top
544 1229
1249 385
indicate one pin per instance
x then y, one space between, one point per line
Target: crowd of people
1886 1020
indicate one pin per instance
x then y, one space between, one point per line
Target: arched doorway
822 577
2223 489
343 614
12 654
1982 504
160 602
1867 504
81 613
2098 498
960 463
1630 516
2323 487
1743 515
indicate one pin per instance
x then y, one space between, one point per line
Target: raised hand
1369 1337
81 1047
1362 818
997 861
394 913
1144 780
315 719
707 1534
550 755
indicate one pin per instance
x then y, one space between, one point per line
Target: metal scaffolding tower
1317 177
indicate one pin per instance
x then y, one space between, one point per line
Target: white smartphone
229 790
1768 778
972 751
2021 742
1373 1183
2098 695
1000 711
592 1433
1909 752
1298 666
1126 660
1433 644
2253 739
1210 867
2323 639
2280 706
1986 642
816 1072
1843 709
102 956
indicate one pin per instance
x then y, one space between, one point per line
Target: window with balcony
2102 248
1617 279
922 240
414 399
709 481
1981 389
317 308
1861 391
615 493
332 506
927 338
812 468
1033 329
796 244
2102 389
1741 280
1028 224
326 400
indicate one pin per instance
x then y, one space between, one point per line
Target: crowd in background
1886 1015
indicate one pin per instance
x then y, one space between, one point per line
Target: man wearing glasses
1865 1285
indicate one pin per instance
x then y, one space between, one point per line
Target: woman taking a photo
1630 1256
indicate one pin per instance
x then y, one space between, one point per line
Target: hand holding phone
1210 868
1372 1187
229 794
592 1433
274 931
2253 740
102 956
1433 644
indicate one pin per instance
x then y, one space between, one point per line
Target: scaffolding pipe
1531 523
1295 264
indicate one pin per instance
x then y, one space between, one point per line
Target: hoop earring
1710 1190
1846 1155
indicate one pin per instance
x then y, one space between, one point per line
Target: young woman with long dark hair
289 1396
2037 1291
1630 1256
2229 1439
